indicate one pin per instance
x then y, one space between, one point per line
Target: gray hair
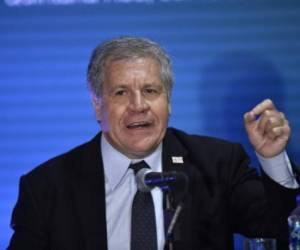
127 48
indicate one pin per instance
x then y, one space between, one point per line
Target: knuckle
282 115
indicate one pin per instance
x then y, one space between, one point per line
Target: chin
142 151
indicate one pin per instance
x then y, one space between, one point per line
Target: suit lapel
172 147
173 159
173 153
89 195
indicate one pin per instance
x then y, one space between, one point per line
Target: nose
138 102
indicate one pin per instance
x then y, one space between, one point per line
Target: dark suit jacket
61 203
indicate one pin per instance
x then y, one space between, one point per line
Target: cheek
163 112
104 117
115 116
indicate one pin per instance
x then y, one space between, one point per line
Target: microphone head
140 180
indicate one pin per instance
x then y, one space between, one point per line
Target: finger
275 132
275 121
249 117
279 132
270 119
263 106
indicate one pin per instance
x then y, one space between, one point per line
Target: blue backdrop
227 56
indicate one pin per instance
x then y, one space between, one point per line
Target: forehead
130 58
139 69
134 60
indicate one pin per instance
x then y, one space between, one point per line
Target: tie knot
138 166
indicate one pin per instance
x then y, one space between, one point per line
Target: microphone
147 179
176 185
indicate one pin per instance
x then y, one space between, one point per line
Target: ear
169 109
97 104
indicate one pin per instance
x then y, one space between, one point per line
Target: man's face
134 107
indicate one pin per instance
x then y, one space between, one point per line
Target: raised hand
268 129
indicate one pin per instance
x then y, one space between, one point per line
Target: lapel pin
177 159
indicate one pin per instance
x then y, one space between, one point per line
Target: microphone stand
174 185
171 232
169 236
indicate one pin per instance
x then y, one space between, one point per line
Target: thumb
249 119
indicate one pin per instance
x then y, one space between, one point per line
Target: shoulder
217 159
193 140
201 148
62 165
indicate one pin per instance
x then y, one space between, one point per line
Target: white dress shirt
279 168
120 188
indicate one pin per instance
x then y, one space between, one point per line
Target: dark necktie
143 226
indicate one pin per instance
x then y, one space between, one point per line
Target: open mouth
139 125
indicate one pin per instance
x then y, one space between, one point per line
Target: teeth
138 124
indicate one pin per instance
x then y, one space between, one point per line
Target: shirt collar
116 164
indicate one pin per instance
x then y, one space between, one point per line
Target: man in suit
83 198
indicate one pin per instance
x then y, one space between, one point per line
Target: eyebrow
124 86
119 86
153 84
